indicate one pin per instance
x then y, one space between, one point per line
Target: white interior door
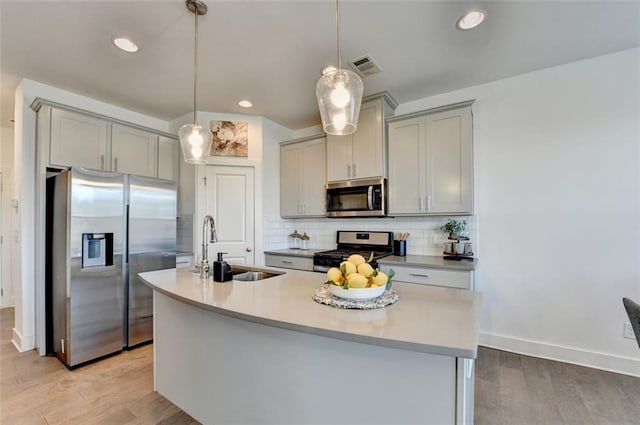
230 201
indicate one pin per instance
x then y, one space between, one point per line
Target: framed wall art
230 138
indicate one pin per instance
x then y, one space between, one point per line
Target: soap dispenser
221 270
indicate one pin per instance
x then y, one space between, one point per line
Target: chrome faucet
204 262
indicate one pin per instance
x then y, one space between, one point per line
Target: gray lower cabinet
183 261
289 262
461 279
431 162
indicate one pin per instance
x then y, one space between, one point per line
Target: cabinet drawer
183 261
436 277
298 263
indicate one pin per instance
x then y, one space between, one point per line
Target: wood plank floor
114 391
511 389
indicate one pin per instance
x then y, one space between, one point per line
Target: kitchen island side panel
222 369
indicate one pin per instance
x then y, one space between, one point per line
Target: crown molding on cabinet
390 100
303 139
39 102
431 111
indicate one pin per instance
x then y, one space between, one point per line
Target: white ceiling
271 52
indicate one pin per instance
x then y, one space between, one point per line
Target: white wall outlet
627 331
433 238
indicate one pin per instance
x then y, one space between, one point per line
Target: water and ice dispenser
97 249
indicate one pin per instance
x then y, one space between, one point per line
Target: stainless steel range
354 242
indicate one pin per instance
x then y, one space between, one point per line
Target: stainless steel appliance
102 229
357 198
380 244
151 237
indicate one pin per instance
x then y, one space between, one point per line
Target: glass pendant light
339 92
195 140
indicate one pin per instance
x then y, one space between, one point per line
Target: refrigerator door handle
126 246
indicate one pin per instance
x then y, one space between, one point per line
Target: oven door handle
370 198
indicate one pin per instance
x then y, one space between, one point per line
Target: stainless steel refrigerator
102 229
152 206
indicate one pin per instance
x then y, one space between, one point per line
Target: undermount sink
248 274
252 276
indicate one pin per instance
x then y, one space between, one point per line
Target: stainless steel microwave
357 198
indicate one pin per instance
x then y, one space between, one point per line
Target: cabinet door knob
248 249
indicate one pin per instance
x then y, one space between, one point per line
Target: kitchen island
265 352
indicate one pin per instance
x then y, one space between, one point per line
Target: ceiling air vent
365 66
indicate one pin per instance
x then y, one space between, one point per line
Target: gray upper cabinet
133 151
78 140
303 177
362 154
86 140
431 162
168 158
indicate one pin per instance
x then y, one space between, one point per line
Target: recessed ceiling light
245 103
471 19
329 69
125 44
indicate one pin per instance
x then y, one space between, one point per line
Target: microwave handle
370 198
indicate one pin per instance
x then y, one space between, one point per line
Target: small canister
294 240
400 248
304 241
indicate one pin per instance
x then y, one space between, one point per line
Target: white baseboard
608 362
21 343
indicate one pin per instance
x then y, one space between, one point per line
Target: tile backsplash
426 237
184 233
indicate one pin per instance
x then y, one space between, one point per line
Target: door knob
248 249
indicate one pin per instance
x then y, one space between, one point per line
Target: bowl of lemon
356 279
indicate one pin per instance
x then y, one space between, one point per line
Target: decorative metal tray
323 296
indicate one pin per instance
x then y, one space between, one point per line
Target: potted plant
456 229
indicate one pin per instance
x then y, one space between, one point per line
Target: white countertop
430 261
290 252
426 319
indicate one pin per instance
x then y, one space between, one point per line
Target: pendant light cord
195 66
338 32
